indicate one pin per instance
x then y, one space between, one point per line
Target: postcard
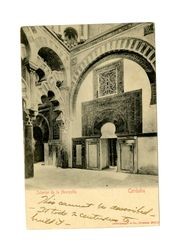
90 125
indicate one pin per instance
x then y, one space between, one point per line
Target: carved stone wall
124 110
109 79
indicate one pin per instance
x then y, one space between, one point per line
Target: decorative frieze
124 110
105 36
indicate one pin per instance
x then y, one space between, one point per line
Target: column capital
29 120
30 116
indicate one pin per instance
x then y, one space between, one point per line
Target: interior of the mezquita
89 97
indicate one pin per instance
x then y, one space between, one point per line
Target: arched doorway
38 145
108 143
40 136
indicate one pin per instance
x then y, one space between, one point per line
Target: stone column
28 126
28 148
65 130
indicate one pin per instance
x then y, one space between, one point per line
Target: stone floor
46 177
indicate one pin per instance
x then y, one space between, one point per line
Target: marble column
28 148
65 131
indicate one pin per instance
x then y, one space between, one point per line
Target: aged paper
90 125
92 208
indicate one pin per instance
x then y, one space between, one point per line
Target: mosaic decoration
124 110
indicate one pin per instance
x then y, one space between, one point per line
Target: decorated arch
134 49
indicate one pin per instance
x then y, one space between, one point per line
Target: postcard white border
17 13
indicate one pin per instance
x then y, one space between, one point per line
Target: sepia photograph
90 125
89 142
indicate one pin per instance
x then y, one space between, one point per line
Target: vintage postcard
90 125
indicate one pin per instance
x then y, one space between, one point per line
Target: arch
51 58
108 130
134 49
110 116
71 33
45 42
50 94
42 123
51 61
49 91
36 43
52 77
50 112
41 74
70 37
